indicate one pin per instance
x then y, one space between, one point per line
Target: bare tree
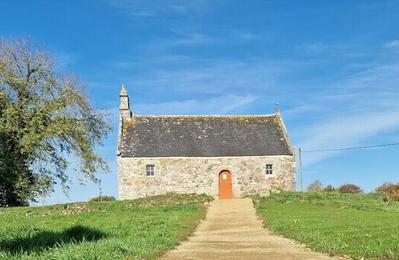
315 186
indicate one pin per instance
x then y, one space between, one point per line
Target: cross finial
277 108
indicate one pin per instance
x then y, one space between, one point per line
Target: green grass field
143 228
355 225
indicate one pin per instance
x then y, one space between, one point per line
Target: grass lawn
143 228
356 225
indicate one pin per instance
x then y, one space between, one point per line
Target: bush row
389 190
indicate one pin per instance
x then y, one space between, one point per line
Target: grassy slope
143 228
359 225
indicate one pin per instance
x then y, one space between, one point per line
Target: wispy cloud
347 130
216 105
393 45
180 39
317 48
192 38
360 106
245 35
193 76
142 8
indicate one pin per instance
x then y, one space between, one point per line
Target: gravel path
232 230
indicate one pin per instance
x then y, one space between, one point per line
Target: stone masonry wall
200 175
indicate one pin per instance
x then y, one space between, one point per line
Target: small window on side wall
269 169
150 169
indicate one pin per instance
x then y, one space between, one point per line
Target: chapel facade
220 155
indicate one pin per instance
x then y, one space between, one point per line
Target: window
269 169
150 169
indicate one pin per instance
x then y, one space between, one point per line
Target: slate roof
203 136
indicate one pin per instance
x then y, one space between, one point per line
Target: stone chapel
226 156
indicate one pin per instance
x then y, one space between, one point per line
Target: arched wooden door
225 185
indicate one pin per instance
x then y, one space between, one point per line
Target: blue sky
332 65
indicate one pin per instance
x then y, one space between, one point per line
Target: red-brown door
225 186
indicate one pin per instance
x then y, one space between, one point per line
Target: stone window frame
150 170
269 169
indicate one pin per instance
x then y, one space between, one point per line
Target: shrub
102 198
390 191
349 188
329 188
315 186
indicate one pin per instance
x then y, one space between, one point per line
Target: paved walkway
232 230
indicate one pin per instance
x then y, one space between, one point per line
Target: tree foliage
390 191
329 188
350 188
315 186
44 119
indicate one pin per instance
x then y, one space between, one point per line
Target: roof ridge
188 116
